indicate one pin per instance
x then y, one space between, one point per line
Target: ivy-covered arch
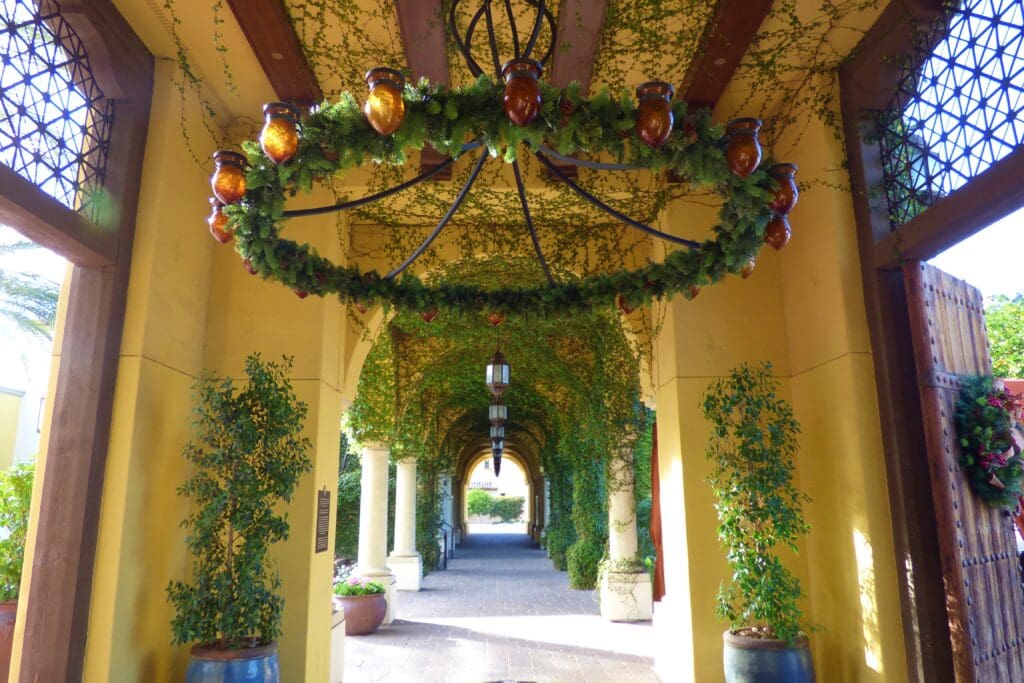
572 403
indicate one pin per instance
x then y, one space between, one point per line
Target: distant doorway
497 503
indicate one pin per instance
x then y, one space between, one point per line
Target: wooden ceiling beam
579 34
422 24
271 34
726 40
727 37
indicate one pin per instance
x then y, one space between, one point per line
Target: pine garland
988 455
337 136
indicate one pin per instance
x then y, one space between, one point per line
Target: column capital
375 447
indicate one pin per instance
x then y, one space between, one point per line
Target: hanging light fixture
497 431
498 412
497 447
498 374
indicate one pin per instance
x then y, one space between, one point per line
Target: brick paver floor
500 612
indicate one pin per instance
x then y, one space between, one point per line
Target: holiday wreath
989 456
250 190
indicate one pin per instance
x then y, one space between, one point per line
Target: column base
626 595
408 570
384 577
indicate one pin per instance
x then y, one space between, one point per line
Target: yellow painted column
733 322
404 561
373 523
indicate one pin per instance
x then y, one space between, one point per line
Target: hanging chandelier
499 119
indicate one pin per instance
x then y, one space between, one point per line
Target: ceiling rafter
579 35
422 25
271 34
727 37
726 40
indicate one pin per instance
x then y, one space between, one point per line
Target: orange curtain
659 564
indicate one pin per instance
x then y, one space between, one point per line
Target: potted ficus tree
15 501
760 511
247 457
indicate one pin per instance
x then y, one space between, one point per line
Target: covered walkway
500 612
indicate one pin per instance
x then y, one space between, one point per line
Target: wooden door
984 596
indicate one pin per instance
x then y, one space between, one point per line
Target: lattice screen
959 107
55 127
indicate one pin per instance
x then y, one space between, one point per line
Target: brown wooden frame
58 599
868 82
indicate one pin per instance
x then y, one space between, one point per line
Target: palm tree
29 302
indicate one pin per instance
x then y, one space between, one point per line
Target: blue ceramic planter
754 660
252 665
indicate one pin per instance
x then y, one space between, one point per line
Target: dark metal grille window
54 121
959 107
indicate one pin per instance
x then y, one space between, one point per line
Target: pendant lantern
787 193
218 223
498 412
777 232
743 153
521 97
497 430
279 137
385 108
654 113
228 179
498 374
496 457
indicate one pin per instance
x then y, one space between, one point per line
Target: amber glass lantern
521 97
787 193
743 153
385 108
228 179
279 137
218 223
777 232
654 112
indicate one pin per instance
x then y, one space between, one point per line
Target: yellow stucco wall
191 305
802 309
10 412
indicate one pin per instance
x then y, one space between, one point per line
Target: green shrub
583 561
479 502
247 459
558 537
760 510
508 508
346 532
15 501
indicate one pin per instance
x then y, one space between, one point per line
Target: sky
992 260
25 359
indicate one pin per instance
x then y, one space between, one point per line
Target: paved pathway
500 613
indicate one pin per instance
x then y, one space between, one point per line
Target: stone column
373 523
404 561
626 592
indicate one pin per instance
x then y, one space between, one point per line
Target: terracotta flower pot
213 665
8 610
363 613
761 660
